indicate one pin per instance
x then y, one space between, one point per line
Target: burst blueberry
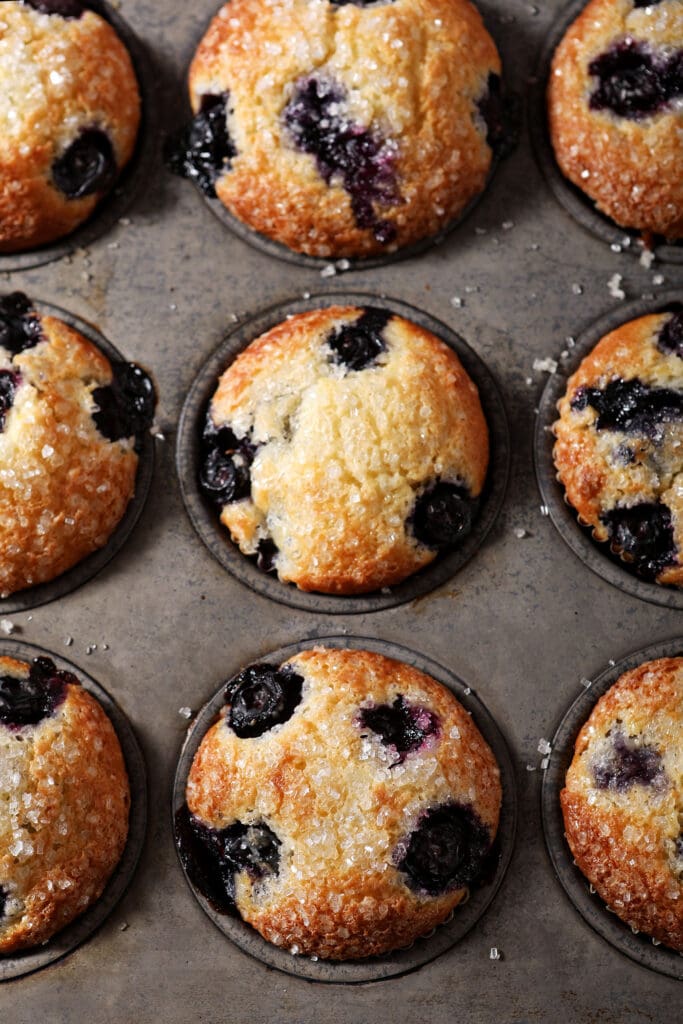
224 474
357 345
635 81
446 851
359 156
9 382
3 902
627 764
87 166
213 857
645 533
19 324
630 406
64 8
28 701
125 408
402 726
203 150
443 515
670 338
261 697
266 556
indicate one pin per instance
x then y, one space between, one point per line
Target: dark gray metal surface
522 622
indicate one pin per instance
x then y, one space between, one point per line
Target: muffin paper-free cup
216 537
16 965
462 919
636 945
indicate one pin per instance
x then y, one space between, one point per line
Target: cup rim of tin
344 264
81 572
574 202
595 555
19 964
132 179
216 537
595 912
441 939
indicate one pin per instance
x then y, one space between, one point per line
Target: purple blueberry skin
447 850
125 408
357 345
261 697
87 166
203 150
19 324
443 515
670 338
9 382
630 406
28 701
64 8
213 857
405 727
628 765
645 532
635 81
225 464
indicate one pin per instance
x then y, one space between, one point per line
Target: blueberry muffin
619 444
64 801
69 422
623 799
345 448
342 803
69 116
343 129
615 103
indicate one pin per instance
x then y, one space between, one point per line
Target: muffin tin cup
16 965
41 593
462 919
133 177
578 205
597 556
217 538
636 945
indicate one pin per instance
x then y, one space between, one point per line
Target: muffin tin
521 622
19 964
465 915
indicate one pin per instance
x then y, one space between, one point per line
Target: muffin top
623 796
64 801
68 425
345 448
343 129
69 115
619 444
341 804
615 102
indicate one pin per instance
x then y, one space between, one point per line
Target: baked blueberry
125 408
64 8
19 325
3 901
261 697
266 556
87 166
630 405
446 851
401 725
203 150
9 382
627 764
670 338
443 515
358 155
29 701
224 474
635 81
645 533
357 345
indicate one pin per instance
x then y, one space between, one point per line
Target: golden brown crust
63 486
596 479
340 807
625 842
414 69
343 454
630 168
63 816
57 76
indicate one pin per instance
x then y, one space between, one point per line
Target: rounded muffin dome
69 116
343 129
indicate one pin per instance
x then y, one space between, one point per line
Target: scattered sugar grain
544 510
544 746
546 365
329 270
7 626
647 258
185 712
495 953
586 683
544 763
614 287
577 289
457 302
658 279
68 640
520 532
